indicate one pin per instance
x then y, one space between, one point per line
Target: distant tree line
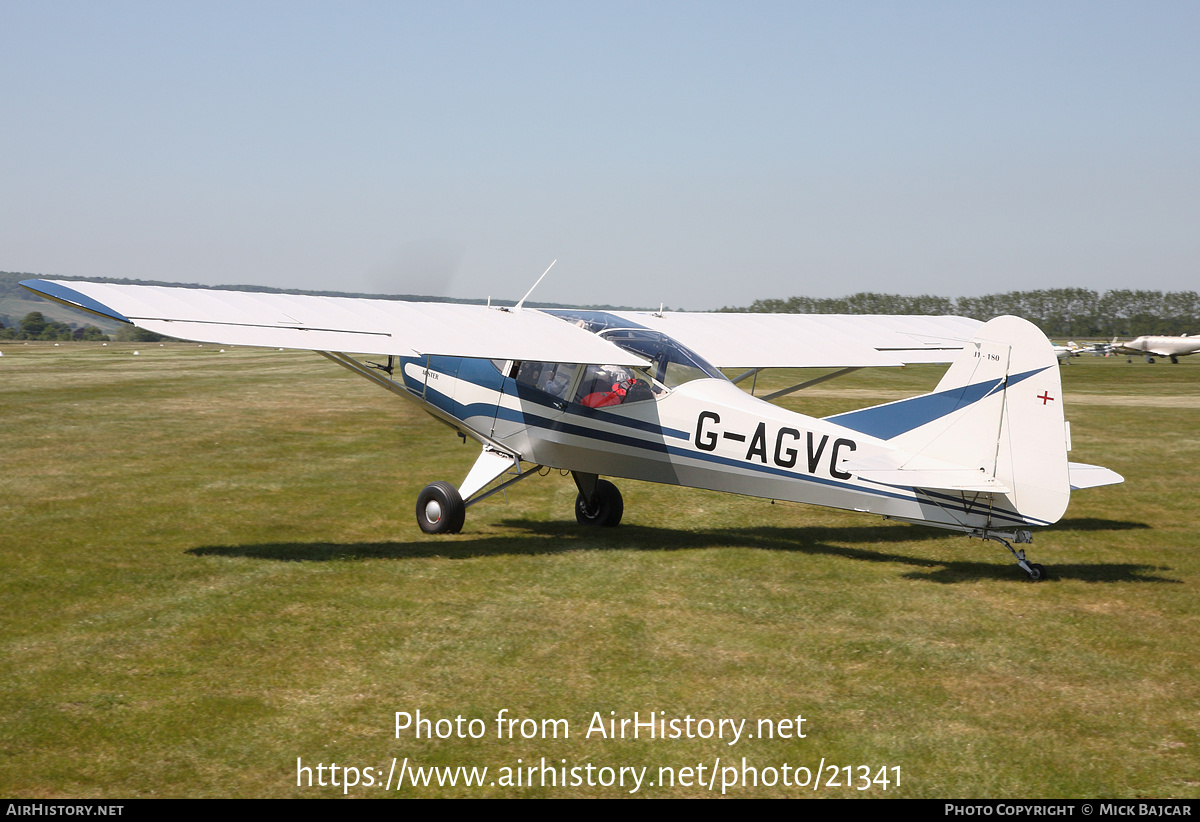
1058 312
35 326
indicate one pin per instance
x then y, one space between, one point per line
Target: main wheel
608 508
1038 572
440 509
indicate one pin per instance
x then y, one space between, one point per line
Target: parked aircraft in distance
1149 346
1065 352
639 395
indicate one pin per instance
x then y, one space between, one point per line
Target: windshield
670 363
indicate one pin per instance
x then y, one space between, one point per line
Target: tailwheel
440 509
606 507
1036 572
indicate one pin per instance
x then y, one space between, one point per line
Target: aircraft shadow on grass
534 538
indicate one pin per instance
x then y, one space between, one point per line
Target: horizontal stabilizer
996 416
938 479
1091 476
905 470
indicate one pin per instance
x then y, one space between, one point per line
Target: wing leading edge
344 324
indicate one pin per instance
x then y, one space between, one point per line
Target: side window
555 378
605 385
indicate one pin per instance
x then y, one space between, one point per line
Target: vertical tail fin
1007 419
998 410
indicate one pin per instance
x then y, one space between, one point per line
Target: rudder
996 415
1007 419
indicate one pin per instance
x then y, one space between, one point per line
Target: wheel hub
433 511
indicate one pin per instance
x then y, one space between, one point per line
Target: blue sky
694 154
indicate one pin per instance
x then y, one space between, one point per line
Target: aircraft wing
729 340
361 326
383 327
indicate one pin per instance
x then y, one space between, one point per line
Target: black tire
608 510
440 509
1039 572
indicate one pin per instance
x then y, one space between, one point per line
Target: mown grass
210 568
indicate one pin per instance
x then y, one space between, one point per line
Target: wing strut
753 372
364 371
399 389
840 373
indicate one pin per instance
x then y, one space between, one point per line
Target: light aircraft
639 395
1065 352
1173 347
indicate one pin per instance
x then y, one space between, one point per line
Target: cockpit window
670 363
605 385
600 386
555 378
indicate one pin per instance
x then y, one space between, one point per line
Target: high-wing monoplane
1066 352
640 395
1150 346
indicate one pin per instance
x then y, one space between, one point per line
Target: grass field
210 569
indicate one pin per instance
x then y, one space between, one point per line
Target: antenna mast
535 285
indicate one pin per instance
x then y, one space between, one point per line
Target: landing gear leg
1036 572
599 502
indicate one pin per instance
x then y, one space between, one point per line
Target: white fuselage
1162 346
706 433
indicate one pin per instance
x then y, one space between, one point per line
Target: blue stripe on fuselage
945 500
895 418
483 373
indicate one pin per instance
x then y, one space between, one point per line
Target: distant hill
16 302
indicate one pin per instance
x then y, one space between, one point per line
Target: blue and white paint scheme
640 395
